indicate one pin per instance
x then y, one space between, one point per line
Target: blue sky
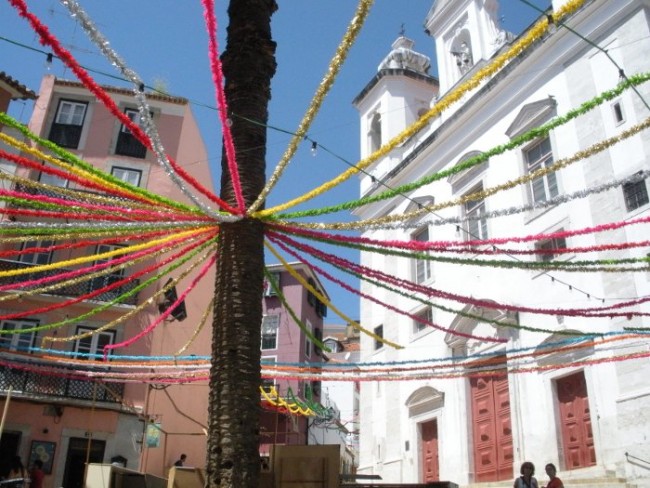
165 40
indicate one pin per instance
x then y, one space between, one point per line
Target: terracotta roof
22 92
126 91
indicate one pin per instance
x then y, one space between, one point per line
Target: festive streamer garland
582 266
538 205
170 167
78 173
463 245
202 272
387 306
46 228
478 318
95 257
217 79
532 134
142 306
453 368
179 259
59 205
430 291
66 156
71 245
319 296
95 292
287 306
199 328
148 362
353 30
454 95
483 194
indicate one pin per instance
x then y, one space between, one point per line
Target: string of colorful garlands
142 222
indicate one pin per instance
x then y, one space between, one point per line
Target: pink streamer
428 291
166 313
90 269
100 291
217 78
379 302
114 213
48 39
123 193
434 245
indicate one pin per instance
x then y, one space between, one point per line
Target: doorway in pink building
429 449
79 450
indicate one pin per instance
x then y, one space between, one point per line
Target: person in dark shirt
181 460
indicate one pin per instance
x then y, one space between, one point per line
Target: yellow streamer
97 257
480 195
62 164
451 97
363 8
199 328
277 401
322 298
131 313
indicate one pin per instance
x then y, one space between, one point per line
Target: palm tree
234 409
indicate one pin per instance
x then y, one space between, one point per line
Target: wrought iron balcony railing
26 382
75 289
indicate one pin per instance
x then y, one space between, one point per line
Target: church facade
546 371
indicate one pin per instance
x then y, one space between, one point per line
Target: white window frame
127 175
476 229
38 258
18 341
422 269
96 346
549 182
270 321
555 243
134 116
75 116
425 313
53 180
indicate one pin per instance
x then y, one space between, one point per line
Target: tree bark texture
234 408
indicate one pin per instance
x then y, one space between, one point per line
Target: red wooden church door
491 428
577 436
430 465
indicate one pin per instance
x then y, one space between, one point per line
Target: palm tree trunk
234 409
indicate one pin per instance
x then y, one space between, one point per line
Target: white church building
587 408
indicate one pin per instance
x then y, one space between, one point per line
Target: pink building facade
142 426
75 421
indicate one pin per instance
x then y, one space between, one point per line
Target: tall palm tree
234 410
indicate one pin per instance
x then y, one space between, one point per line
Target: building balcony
75 289
128 145
66 135
27 383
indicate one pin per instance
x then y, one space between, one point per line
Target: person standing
36 475
526 480
554 482
181 460
17 475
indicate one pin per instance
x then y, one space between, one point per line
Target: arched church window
375 132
